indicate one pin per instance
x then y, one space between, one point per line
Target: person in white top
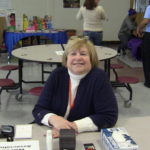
92 15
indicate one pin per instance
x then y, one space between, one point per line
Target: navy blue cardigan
94 98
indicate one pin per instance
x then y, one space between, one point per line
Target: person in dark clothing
146 45
127 30
78 95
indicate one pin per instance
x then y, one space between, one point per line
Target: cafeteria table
52 53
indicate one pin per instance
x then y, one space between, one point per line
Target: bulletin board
71 3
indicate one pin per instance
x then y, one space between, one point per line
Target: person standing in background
92 15
146 45
127 30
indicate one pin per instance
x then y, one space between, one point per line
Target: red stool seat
9 67
36 91
127 79
116 66
6 82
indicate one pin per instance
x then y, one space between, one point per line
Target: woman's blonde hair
75 43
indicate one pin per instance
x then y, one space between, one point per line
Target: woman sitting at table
78 95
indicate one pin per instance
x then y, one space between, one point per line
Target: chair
123 81
9 68
7 83
35 91
114 67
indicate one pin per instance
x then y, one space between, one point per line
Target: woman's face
78 61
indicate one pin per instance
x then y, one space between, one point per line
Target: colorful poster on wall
71 3
140 5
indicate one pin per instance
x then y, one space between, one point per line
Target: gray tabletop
53 53
137 127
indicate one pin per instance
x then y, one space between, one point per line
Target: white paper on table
19 145
23 131
59 52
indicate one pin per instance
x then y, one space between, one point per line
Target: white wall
64 18
116 11
30 7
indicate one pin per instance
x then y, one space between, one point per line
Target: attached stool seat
128 79
123 81
9 67
6 83
116 66
36 91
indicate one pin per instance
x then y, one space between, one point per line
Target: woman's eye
76 53
83 54
72 54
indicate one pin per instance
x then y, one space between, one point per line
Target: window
140 5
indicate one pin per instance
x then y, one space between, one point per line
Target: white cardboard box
117 139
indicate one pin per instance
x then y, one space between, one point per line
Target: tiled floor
19 112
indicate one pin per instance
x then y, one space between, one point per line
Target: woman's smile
78 61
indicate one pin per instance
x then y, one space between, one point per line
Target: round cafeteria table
52 53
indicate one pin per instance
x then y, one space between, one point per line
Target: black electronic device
7 131
89 146
67 139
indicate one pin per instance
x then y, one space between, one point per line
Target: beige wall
64 18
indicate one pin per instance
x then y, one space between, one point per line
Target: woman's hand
75 127
139 32
59 122
134 33
55 132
